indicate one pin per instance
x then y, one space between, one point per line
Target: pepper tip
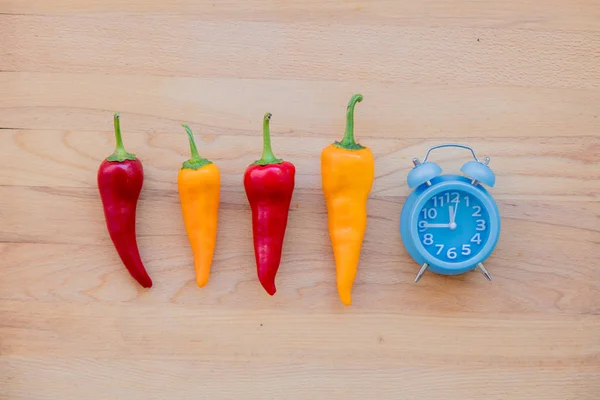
146 283
346 298
201 281
271 290
269 287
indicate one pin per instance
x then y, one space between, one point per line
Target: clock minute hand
452 224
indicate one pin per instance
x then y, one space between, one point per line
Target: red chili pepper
120 179
269 183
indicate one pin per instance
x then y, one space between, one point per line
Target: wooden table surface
517 80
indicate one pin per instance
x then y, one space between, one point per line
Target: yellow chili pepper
199 184
348 171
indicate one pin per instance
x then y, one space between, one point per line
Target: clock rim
440 184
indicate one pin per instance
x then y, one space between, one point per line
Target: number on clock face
453 226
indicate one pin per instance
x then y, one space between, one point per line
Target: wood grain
253 50
551 15
317 109
518 81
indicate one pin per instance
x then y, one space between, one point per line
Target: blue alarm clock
450 224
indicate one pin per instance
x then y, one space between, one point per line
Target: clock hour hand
426 225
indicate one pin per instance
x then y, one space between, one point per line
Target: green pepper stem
267 155
193 148
117 121
195 161
348 141
120 154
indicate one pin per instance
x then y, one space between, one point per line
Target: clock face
453 226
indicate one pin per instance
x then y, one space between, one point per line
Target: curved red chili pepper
120 179
269 184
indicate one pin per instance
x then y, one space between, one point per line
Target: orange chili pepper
199 184
348 171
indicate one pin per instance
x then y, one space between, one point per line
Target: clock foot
484 271
421 272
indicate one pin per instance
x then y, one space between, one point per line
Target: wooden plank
528 276
552 14
527 168
72 248
189 46
300 108
39 377
110 330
